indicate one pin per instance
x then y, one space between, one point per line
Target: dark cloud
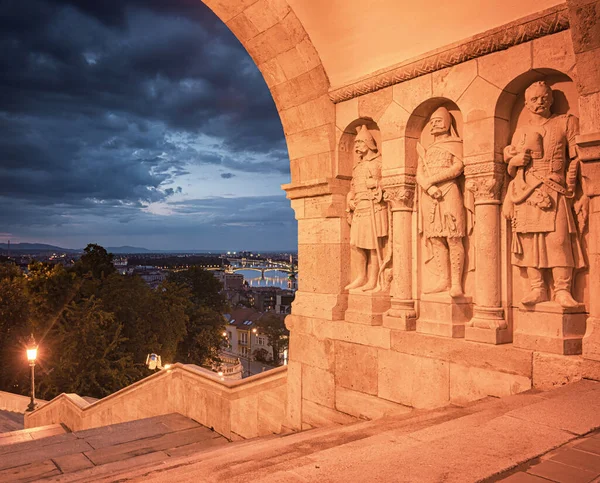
104 105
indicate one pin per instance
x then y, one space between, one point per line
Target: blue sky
139 122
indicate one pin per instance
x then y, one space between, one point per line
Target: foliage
95 327
273 327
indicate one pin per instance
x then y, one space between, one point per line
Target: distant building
244 336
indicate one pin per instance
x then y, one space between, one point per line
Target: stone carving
368 215
442 211
484 188
552 21
542 160
399 197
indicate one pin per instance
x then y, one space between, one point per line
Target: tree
85 353
274 328
96 261
204 338
205 288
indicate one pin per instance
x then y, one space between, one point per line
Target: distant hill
35 247
127 249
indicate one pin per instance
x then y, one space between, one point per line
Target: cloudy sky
136 122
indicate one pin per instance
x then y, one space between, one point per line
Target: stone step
10 421
453 444
31 434
80 455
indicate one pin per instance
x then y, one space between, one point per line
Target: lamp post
31 357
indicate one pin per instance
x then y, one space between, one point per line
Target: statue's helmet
444 114
365 136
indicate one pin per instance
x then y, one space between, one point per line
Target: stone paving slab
29 472
575 462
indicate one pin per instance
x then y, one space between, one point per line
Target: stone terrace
482 441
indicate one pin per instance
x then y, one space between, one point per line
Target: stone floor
10 421
574 462
531 437
88 455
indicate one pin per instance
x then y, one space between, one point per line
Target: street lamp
32 349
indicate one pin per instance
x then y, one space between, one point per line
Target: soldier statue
542 160
442 211
367 213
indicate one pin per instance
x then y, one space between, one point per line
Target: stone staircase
477 442
53 453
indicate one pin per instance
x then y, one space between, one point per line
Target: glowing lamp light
220 373
32 354
167 366
224 334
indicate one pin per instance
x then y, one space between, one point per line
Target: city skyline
137 123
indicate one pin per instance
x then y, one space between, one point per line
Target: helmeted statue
367 213
542 160
441 205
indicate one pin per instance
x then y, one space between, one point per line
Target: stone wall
237 410
356 355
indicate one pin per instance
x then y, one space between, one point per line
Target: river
273 278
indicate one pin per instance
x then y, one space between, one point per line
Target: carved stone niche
443 224
369 219
546 211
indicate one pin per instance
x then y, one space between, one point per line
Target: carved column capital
484 181
399 191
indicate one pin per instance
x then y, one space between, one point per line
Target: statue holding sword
441 205
367 215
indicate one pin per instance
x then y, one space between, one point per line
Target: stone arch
278 43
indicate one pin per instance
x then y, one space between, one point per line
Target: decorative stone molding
544 23
399 191
487 168
485 189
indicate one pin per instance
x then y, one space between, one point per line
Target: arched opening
133 138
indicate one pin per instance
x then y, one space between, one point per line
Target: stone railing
16 403
236 409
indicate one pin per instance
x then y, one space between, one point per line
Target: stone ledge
502 358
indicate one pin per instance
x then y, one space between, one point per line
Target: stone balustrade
236 409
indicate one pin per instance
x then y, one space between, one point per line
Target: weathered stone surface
302 58
413 92
503 358
392 124
500 68
453 81
354 333
242 27
314 276
373 105
318 386
480 101
312 350
414 381
356 367
265 13
364 406
555 52
585 28
301 89
311 141
551 370
472 383
316 416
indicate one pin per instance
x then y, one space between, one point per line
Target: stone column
585 33
484 185
399 191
